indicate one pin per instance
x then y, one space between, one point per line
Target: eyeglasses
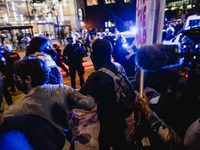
16 77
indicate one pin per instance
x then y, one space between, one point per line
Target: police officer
59 60
3 71
87 40
10 57
74 55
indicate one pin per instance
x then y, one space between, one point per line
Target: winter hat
101 51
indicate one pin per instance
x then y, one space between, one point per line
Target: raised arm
168 135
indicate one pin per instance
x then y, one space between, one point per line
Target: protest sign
149 22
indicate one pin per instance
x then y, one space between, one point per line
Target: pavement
87 131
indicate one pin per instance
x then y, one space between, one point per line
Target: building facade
110 14
48 16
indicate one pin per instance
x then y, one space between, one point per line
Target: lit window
109 24
106 24
126 1
109 1
92 2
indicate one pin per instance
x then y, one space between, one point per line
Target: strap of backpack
107 71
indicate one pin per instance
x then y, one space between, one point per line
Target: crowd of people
169 105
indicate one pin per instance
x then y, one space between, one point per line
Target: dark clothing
101 86
184 105
3 70
38 132
54 74
91 33
87 42
62 36
59 61
74 59
178 108
119 54
11 58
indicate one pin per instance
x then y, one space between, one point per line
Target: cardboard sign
149 21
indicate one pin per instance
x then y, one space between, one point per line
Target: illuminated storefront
65 15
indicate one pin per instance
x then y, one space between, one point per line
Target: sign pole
149 21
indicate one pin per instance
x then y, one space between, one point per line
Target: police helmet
69 36
7 47
56 45
106 30
85 30
98 33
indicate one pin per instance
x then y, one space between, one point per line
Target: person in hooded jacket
101 86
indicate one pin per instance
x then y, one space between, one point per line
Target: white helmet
85 30
8 47
106 30
98 33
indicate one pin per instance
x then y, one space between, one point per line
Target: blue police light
197 47
125 45
134 30
3 59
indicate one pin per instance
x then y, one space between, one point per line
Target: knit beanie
101 52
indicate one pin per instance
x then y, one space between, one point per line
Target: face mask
21 86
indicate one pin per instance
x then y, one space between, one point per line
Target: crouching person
50 101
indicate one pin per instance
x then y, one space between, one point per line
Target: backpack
123 102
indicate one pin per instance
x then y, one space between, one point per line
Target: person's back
53 105
50 101
101 86
30 132
11 58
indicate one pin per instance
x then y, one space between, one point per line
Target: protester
101 86
170 140
50 101
29 132
74 54
178 105
36 49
